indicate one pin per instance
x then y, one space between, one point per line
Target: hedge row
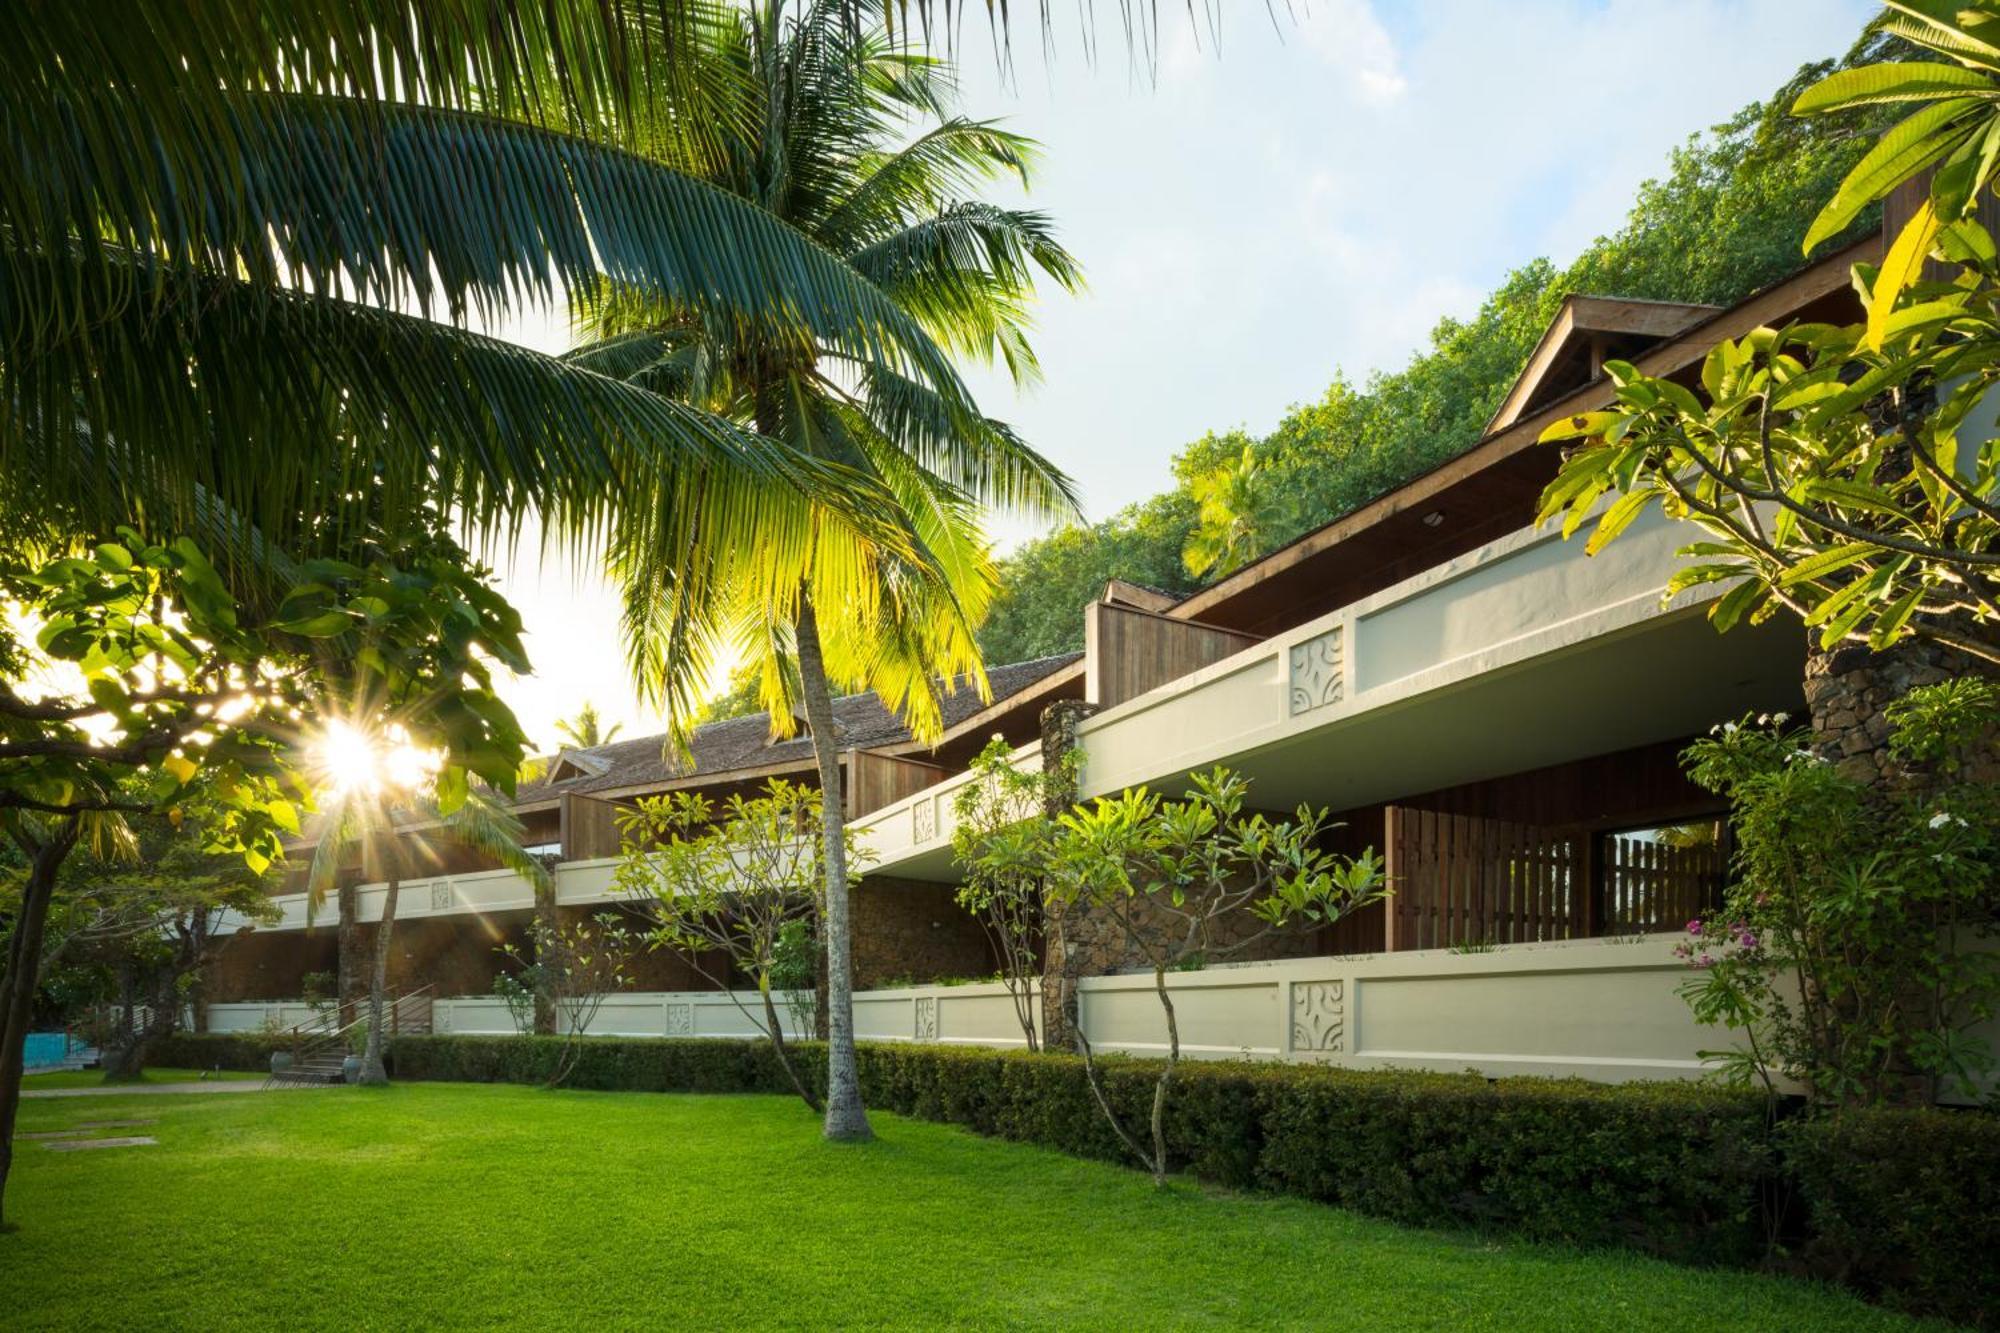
1902 1205
219 1050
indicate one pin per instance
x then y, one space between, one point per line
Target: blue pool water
47 1048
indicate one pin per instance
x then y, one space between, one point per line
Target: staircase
320 1047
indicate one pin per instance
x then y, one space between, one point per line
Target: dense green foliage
1725 219
471 1207
1905 1205
1853 947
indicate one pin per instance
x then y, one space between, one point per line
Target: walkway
149 1089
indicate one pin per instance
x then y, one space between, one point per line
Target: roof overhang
1587 332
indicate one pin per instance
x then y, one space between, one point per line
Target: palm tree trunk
846 1118
24 958
347 985
372 1071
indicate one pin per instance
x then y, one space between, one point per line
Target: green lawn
92 1078
427 1205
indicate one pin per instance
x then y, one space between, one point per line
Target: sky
1263 213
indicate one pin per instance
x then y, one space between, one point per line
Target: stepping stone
113 1124
78 1145
55 1134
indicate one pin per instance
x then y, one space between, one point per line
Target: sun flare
354 761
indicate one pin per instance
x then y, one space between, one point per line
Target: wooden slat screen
1651 885
1460 880
589 828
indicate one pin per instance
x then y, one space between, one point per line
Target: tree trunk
846 1118
349 983
1166 1078
550 928
23 966
372 1072
777 1031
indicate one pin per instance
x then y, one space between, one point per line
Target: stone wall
910 931
1848 690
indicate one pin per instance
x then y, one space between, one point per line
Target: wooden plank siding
589 828
875 780
1130 651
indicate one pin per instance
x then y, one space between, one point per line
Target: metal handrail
337 1036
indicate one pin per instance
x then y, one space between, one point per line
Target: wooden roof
1587 332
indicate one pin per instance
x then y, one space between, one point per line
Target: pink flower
1704 961
1694 926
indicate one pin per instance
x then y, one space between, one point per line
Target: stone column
1065 938
1848 689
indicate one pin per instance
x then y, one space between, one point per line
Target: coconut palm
1231 517
812 111
241 242
586 731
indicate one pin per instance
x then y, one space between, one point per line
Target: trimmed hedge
218 1050
1904 1205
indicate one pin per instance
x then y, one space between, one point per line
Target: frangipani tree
728 880
1190 882
809 109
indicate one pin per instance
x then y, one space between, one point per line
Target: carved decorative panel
1319 1016
680 1020
926 1018
442 895
923 820
1316 672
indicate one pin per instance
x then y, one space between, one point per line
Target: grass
93 1078
473 1206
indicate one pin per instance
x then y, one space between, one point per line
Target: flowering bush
1854 949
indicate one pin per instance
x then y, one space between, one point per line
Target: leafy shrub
1904 1205
249 1051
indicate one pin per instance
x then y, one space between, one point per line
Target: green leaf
1900 268
1816 567
1728 609
1616 519
1913 144
326 625
1891 82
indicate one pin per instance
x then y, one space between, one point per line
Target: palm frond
263 406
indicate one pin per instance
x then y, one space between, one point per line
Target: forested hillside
1725 219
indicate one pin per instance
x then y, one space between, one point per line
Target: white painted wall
1603 1009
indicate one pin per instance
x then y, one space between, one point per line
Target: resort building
1496 712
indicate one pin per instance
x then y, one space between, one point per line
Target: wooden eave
1586 332
1065 682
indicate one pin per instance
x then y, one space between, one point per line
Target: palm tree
586 731
808 109
1230 519
246 222
377 822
